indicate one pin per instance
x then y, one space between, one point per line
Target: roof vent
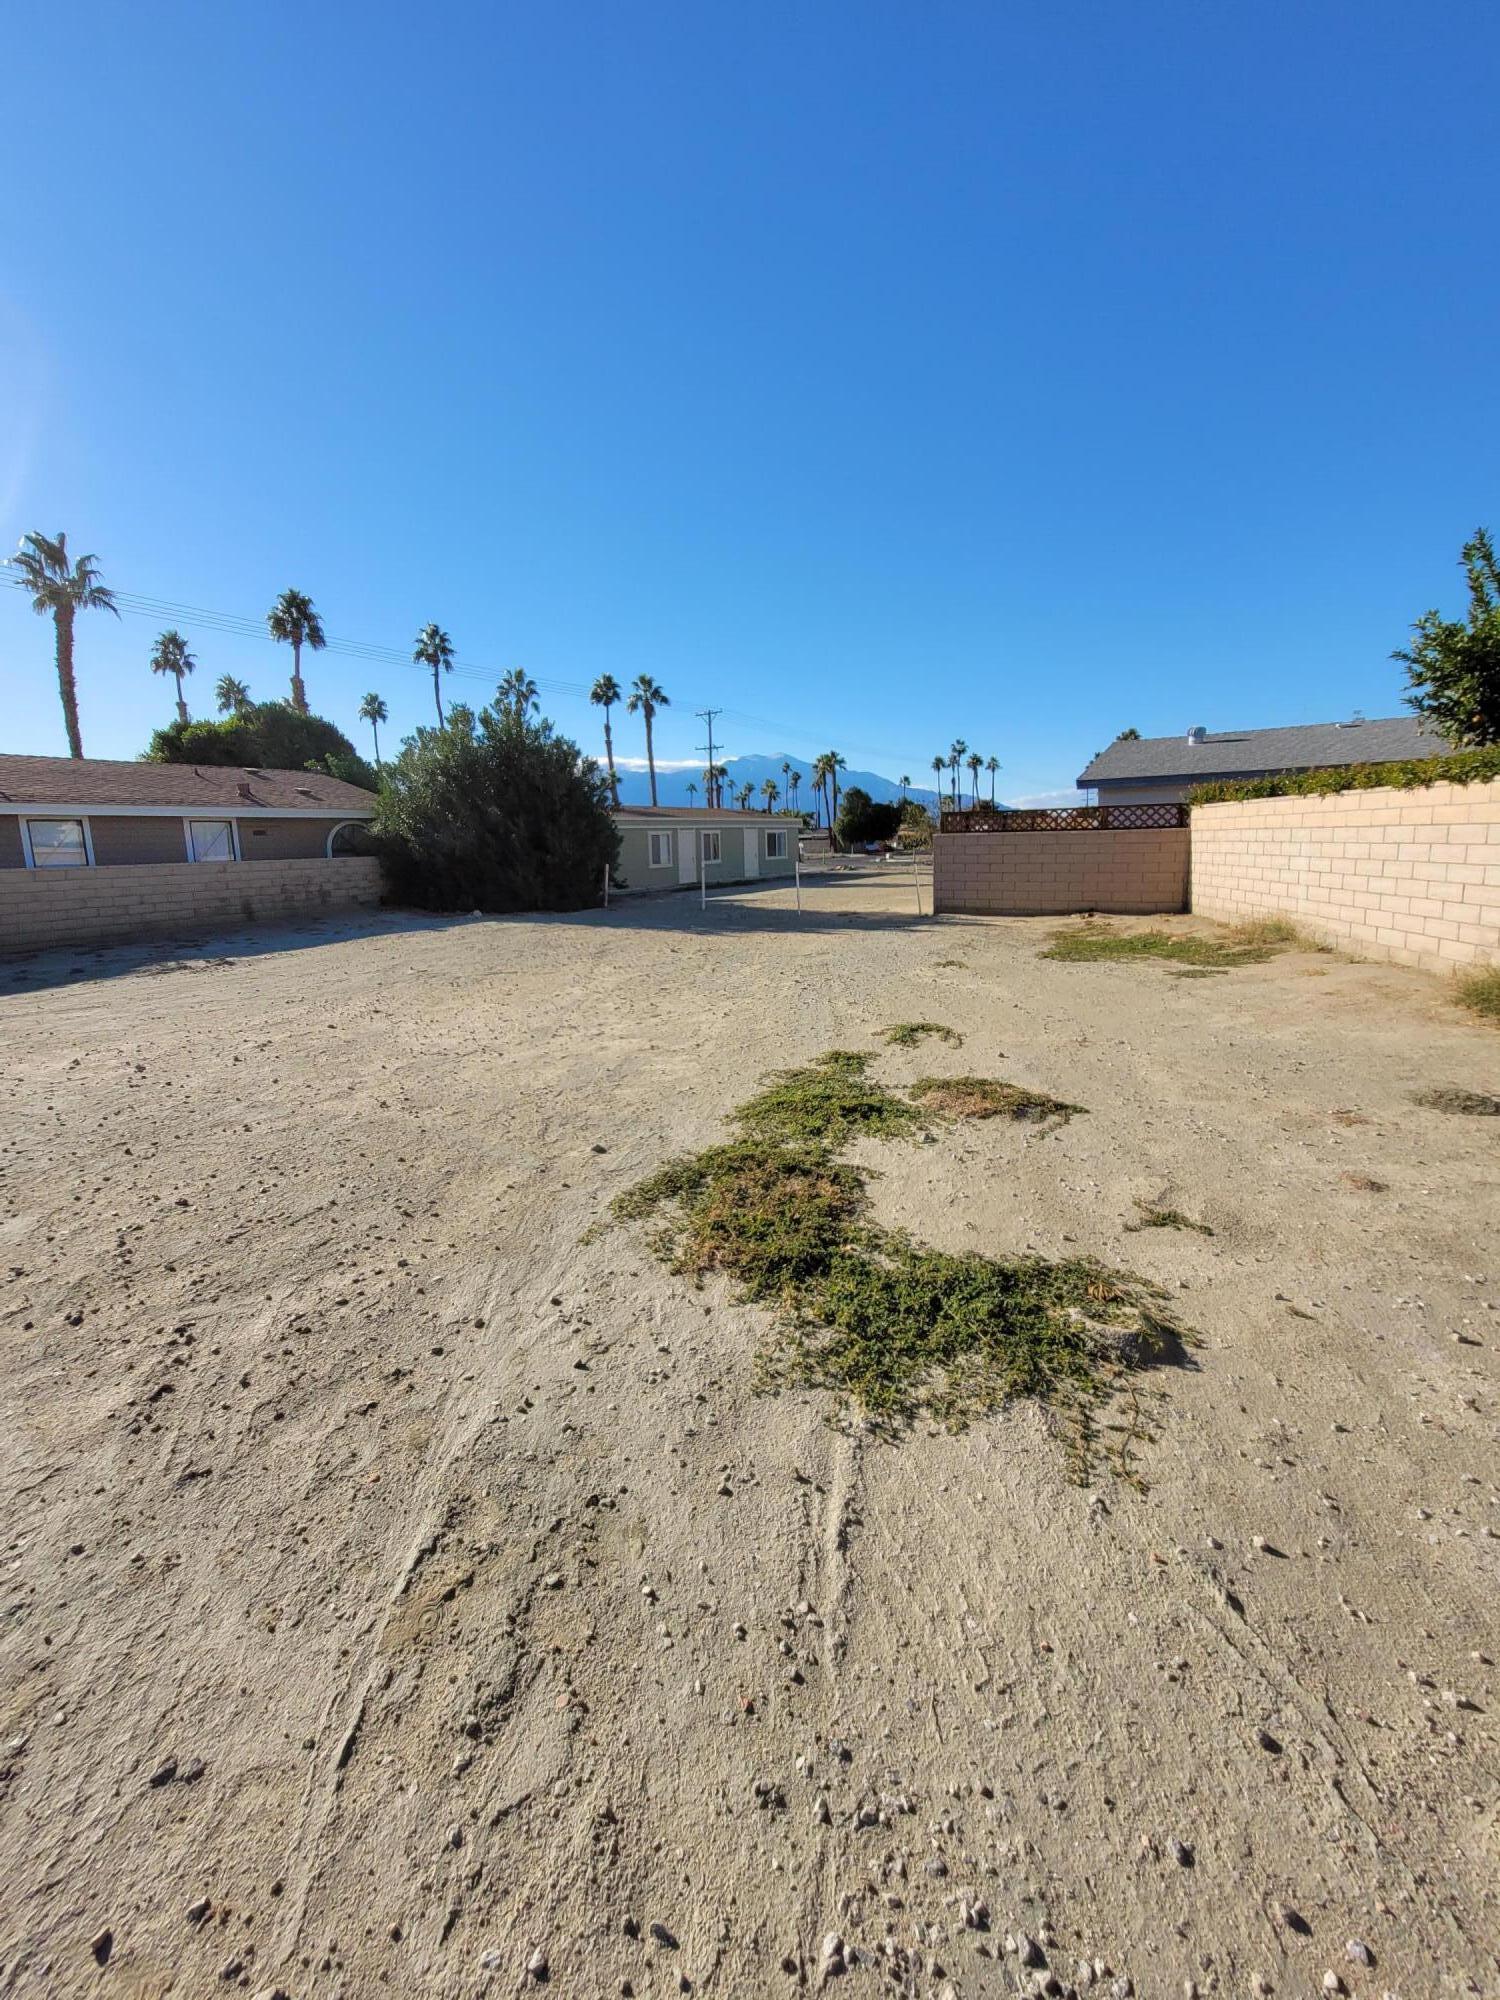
244 790
1197 734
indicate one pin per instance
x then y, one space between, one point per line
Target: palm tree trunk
992 791
609 752
375 732
67 687
299 692
437 693
650 757
182 714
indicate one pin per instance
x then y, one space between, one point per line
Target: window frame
79 820
709 855
190 820
663 837
775 834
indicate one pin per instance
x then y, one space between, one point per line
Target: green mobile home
669 847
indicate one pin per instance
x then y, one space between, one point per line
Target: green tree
645 699
861 819
692 791
992 765
975 764
434 649
373 710
60 589
170 655
793 787
495 812
1453 667
956 753
939 765
770 791
292 621
517 692
232 696
904 782
270 736
1128 736
605 693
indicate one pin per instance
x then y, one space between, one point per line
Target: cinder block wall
1413 877
42 907
1130 873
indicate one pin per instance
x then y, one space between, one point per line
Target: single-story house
1146 770
664 847
91 812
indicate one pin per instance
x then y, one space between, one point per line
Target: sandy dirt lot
401 1592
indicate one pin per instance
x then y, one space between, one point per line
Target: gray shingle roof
101 781
1229 753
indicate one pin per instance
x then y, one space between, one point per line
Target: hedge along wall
1412 876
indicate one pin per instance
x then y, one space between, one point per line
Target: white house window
58 843
661 850
211 839
710 847
776 846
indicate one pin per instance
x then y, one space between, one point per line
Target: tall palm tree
786 773
434 649
373 710
793 786
992 765
692 791
645 699
820 787
836 763
957 752
744 795
293 622
975 765
63 589
517 692
721 772
170 655
770 791
904 783
939 765
232 696
604 694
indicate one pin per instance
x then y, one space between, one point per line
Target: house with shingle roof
93 812
1146 770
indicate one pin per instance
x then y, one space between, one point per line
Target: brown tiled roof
704 813
99 781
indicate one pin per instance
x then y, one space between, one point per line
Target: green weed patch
1090 943
827 1103
906 1034
1480 993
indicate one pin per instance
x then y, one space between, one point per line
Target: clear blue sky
879 373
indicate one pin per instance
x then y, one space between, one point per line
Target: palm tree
744 795
975 765
692 792
904 783
820 783
720 773
939 765
63 589
232 696
293 622
786 773
604 694
170 655
373 710
517 692
433 649
992 765
956 753
835 764
793 786
770 791
645 699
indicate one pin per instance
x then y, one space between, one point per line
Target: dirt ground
402 1592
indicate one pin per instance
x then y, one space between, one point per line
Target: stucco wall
635 846
284 839
12 854
132 843
1136 872
1413 877
70 906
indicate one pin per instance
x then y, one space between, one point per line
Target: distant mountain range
672 786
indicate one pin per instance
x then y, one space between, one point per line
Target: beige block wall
45 907
1136 873
1412 877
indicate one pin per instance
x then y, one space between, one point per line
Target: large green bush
268 736
495 812
861 819
1462 767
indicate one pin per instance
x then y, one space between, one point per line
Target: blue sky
878 373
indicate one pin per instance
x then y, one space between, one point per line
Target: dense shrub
1461 767
269 736
861 819
495 812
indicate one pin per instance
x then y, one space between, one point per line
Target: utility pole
706 716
